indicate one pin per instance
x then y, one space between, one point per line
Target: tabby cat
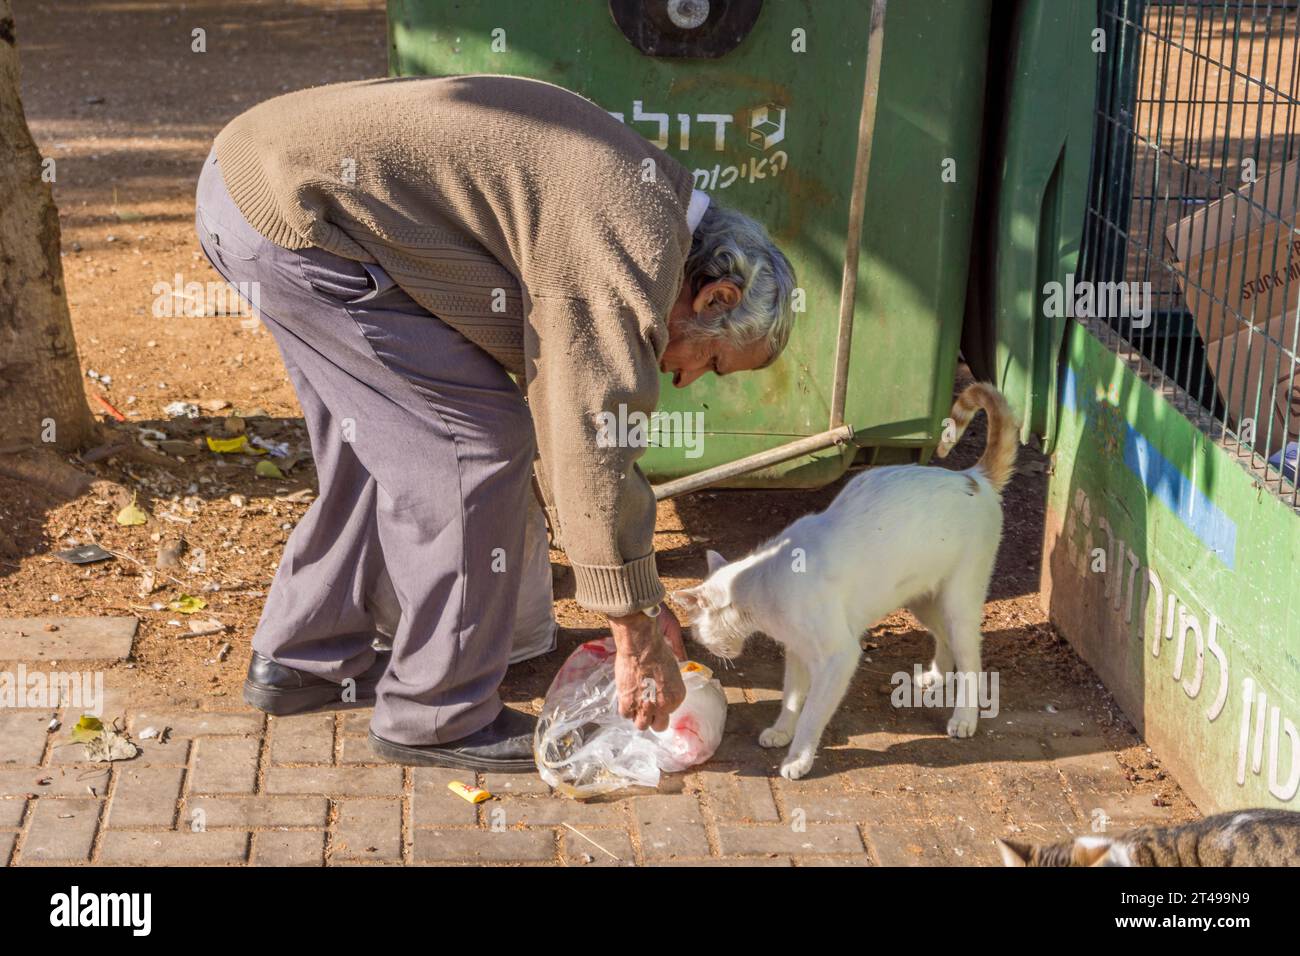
1241 838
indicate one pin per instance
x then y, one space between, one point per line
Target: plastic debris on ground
233 446
85 554
278 449
585 748
181 410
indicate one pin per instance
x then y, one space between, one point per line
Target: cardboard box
1242 286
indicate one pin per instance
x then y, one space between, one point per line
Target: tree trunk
42 403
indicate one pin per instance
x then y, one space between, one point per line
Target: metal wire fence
1192 215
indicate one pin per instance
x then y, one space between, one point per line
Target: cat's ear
1015 854
1090 850
715 560
690 599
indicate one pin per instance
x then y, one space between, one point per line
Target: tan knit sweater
543 229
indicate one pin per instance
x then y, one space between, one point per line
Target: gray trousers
424 449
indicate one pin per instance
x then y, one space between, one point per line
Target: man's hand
645 671
672 630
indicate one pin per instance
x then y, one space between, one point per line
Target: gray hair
729 245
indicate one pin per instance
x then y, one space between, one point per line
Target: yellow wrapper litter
465 792
231 446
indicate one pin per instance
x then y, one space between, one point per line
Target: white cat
907 535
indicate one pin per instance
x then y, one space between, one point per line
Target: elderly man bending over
413 241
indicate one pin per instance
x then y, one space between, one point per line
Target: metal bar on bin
764 459
838 433
857 204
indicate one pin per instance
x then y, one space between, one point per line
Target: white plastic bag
584 748
535 628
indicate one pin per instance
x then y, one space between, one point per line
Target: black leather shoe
505 745
279 690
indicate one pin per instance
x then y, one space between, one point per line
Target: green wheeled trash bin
855 131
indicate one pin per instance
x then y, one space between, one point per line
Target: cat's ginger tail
999 458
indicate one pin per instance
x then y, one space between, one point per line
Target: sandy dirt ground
115 95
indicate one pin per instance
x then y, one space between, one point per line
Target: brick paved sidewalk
230 788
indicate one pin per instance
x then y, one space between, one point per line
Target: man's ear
720 295
1014 854
714 560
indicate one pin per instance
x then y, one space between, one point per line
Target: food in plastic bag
584 747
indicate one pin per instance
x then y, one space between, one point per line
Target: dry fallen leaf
132 514
110 745
187 604
87 728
